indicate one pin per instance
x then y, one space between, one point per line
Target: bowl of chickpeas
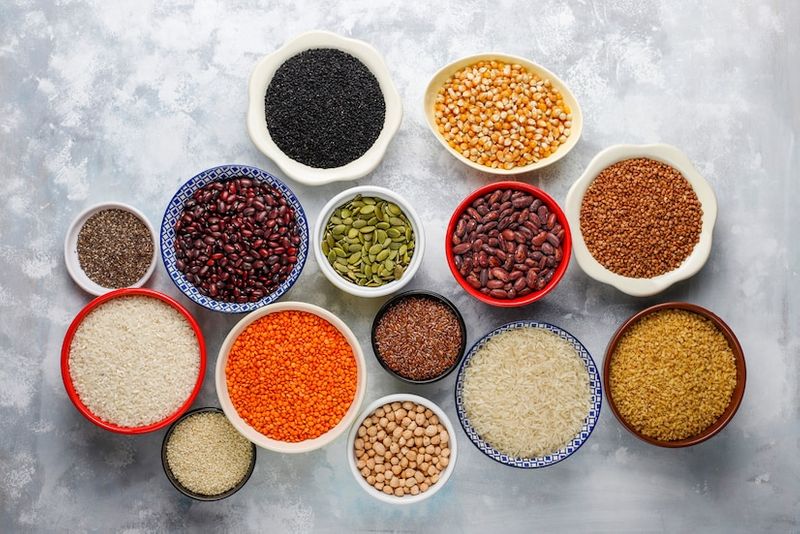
502 114
402 449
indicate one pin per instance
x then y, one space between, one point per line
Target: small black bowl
423 294
174 480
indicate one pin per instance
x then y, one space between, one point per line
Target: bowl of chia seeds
323 108
110 246
368 241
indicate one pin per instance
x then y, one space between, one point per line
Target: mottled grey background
125 101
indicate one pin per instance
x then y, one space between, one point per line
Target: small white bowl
257 124
448 70
642 287
71 248
345 284
254 435
443 477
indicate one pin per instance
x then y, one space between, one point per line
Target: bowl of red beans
508 244
234 238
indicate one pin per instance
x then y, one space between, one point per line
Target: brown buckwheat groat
640 218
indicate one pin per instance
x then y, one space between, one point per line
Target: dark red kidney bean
521 253
539 239
551 220
548 249
495 284
515 275
474 282
484 277
498 293
533 218
461 227
461 248
553 240
522 201
543 213
500 274
531 279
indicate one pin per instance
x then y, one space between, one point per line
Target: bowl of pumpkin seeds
368 241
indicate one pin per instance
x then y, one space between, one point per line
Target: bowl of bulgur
674 374
502 114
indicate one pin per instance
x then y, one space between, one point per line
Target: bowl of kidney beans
234 238
508 244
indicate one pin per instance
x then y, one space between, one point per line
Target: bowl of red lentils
402 449
502 114
291 377
674 374
419 336
508 244
642 218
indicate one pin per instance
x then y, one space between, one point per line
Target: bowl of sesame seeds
642 218
323 107
502 114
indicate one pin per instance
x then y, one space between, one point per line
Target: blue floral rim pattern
588 423
175 208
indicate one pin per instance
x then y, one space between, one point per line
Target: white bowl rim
339 281
443 478
71 253
256 124
249 432
642 287
443 73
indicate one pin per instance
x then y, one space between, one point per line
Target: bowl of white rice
528 394
133 360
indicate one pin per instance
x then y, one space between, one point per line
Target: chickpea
415 490
388 490
398 492
426 441
408 405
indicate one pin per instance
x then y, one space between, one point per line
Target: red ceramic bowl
65 348
566 244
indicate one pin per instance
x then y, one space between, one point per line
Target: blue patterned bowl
588 424
175 208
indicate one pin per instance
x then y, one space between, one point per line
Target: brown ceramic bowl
738 391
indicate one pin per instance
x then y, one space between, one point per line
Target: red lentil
291 375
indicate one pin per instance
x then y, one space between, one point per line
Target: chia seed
419 338
115 248
324 108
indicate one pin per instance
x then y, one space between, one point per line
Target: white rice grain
134 361
526 392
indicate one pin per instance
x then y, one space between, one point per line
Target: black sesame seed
324 108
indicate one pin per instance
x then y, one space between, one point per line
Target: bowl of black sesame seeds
110 246
323 108
419 336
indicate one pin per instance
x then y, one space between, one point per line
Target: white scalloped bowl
642 287
448 70
257 124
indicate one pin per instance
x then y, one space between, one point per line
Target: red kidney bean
507 244
224 234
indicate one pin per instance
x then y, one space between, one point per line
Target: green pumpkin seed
359 224
394 209
375 249
366 210
383 225
382 255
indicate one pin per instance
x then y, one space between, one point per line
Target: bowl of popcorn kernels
502 114
402 449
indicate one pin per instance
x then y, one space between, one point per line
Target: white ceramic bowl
345 284
71 247
257 437
257 124
448 70
642 287
443 477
